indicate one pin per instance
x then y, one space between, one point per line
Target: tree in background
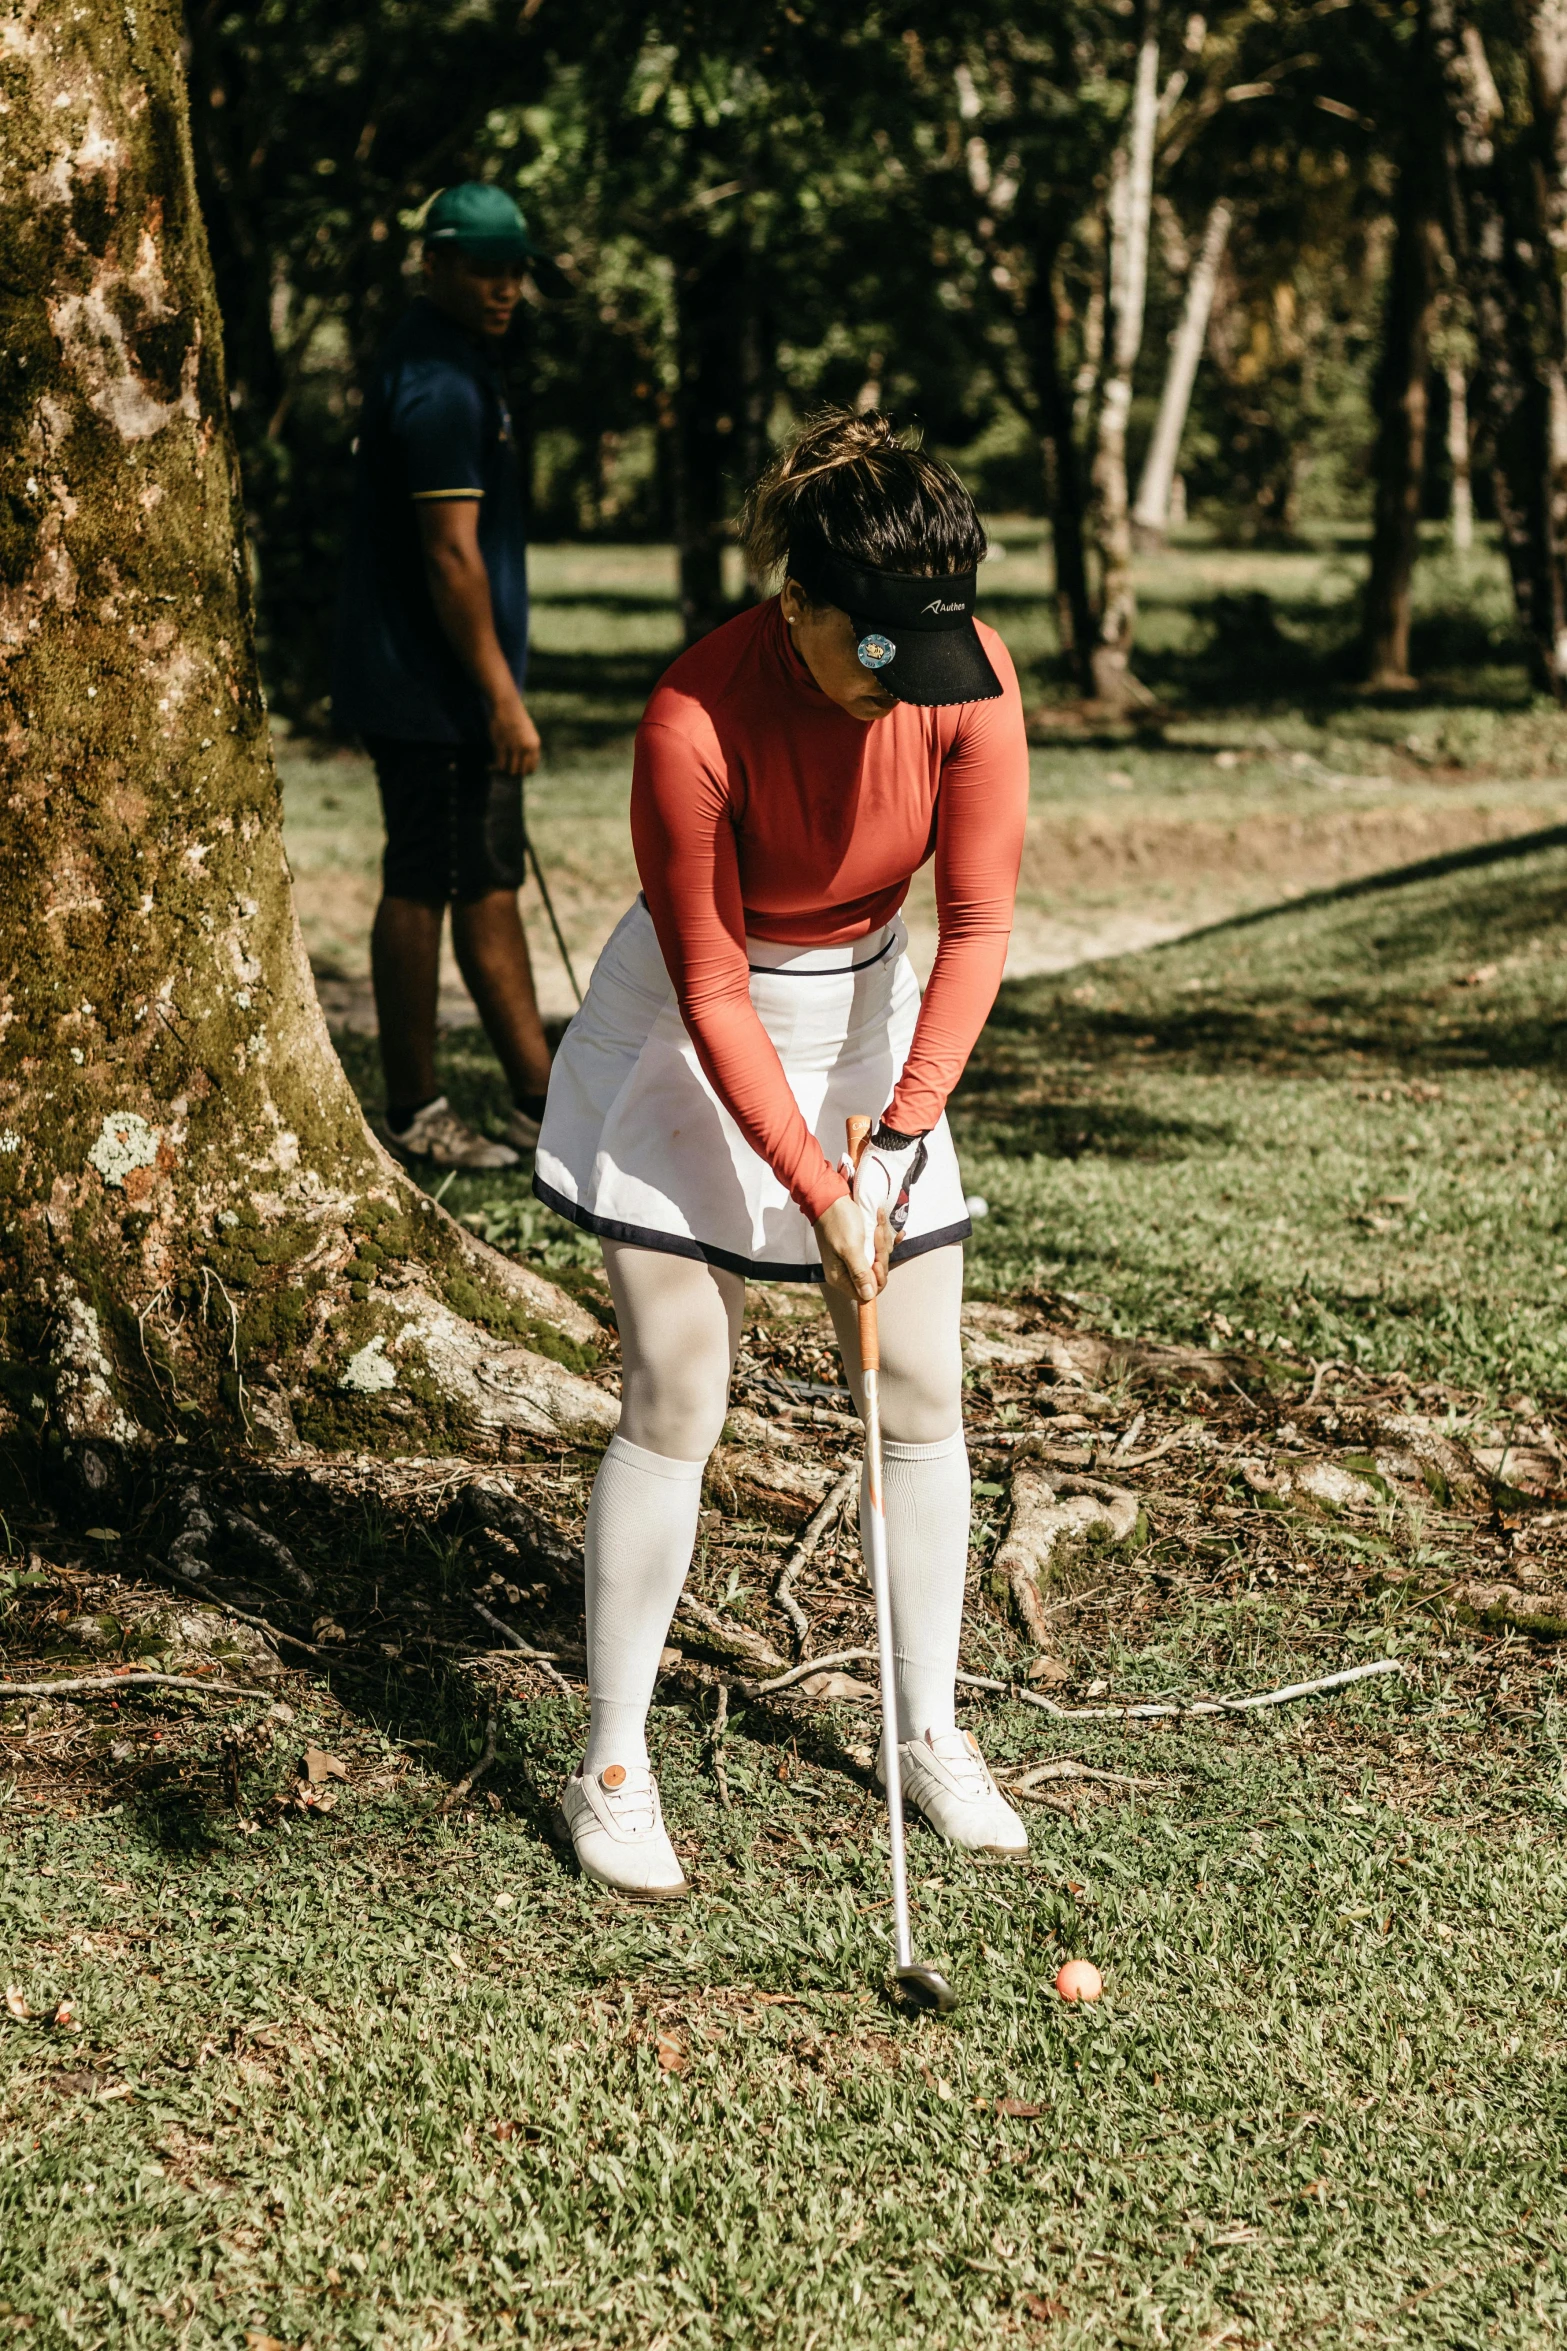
1398 457
738 149
1151 513
1504 204
197 1221
942 209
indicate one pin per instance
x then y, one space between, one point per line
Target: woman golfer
792 772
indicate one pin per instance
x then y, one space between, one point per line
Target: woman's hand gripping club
855 1246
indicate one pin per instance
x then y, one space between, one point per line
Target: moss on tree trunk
197 1229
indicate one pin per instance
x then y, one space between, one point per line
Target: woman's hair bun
849 477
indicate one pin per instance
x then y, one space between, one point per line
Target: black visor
915 634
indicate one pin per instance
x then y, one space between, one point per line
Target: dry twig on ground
1147 1710
79 1683
720 1722
805 1550
471 1779
538 1657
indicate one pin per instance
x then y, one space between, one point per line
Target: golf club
926 1987
549 908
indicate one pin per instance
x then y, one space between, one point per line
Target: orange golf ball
1080 1980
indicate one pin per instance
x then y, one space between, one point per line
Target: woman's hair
875 499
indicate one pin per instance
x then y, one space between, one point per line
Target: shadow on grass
1067 1128
1518 848
1400 966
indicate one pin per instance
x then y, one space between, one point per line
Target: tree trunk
1052 407
1509 276
199 1234
1398 463
1131 205
708 330
1151 514
1461 509
1545 25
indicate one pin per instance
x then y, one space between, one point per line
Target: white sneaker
947 1778
437 1134
616 1826
522 1132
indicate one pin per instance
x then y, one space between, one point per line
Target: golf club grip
858 1133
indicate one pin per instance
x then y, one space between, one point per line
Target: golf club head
926 1987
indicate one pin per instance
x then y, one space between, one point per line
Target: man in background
431 657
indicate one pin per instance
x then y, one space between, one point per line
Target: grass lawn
372 2074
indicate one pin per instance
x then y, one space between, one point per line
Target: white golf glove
890 1165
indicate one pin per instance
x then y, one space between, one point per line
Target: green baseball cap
481 221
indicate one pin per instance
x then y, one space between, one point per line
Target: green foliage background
757 210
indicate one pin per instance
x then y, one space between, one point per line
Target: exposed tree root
1048 1511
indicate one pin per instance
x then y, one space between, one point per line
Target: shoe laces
965 1763
633 1806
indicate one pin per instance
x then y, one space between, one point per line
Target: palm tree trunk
1131 206
1508 270
1151 514
1398 461
1052 407
1461 508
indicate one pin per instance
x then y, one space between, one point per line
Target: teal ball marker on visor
913 631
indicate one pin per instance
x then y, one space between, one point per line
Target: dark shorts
453 827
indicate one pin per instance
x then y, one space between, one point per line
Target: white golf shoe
948 1780
616 1826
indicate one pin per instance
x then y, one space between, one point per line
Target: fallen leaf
16 2002
1049 1670
320 1766
1044 2306
257 2340
65 2013
668 1659
102 1534
1019 2108
835 1685
327 1628
673 2056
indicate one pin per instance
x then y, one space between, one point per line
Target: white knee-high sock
927 1499
641 1532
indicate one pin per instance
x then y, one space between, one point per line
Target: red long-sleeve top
759 806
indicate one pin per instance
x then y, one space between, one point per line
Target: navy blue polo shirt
435 424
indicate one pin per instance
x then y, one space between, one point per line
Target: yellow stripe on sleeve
420 495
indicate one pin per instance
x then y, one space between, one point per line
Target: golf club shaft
549 908
876 1528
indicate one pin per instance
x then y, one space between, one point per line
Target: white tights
679 1331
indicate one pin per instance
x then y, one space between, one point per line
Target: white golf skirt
636 1145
